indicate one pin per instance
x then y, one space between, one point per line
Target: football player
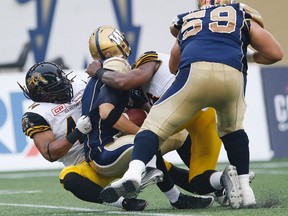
212 73
151 73
102 151
55 124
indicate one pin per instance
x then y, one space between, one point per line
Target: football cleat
220 195
134 204
248 197
130 188
230 182
151 176
122 187
193 202
251 176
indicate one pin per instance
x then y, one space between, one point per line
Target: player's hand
93 67
84 124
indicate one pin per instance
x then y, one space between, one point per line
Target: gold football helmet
107 40
205 3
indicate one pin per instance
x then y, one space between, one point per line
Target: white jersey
61 119
161 80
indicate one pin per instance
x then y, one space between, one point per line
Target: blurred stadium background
38 30
54 30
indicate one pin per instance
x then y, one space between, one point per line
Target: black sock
237 148
200 184
180 177
185 151
167 183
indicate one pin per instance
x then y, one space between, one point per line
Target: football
137 116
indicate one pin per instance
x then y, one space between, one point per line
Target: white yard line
91 210
19 191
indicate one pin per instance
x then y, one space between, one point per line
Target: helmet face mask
107 41
46 82
202 3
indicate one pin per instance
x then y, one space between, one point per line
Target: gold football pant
205 85
85 170
206 144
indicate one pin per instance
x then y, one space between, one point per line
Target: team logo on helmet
107 41
35 78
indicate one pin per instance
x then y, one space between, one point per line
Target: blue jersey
95 94
216 34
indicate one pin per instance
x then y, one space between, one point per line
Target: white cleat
248 197
230 182
151 176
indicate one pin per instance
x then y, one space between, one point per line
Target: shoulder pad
255 15
146 57
33 123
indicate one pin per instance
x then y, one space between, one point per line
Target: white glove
84 124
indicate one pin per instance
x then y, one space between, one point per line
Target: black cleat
193 202
134 204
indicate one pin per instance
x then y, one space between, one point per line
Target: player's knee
201 183
69 181
146 137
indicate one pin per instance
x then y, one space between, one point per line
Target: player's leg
206 143
113 159
176 198
73 176
230 128
85 184
200 156
163 119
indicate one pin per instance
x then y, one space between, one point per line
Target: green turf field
39 193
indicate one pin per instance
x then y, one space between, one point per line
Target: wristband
73 136
100 72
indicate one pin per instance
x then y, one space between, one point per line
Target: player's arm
108 112
268 49
174 58
52 149
111 103
114 79
143 70
136 78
